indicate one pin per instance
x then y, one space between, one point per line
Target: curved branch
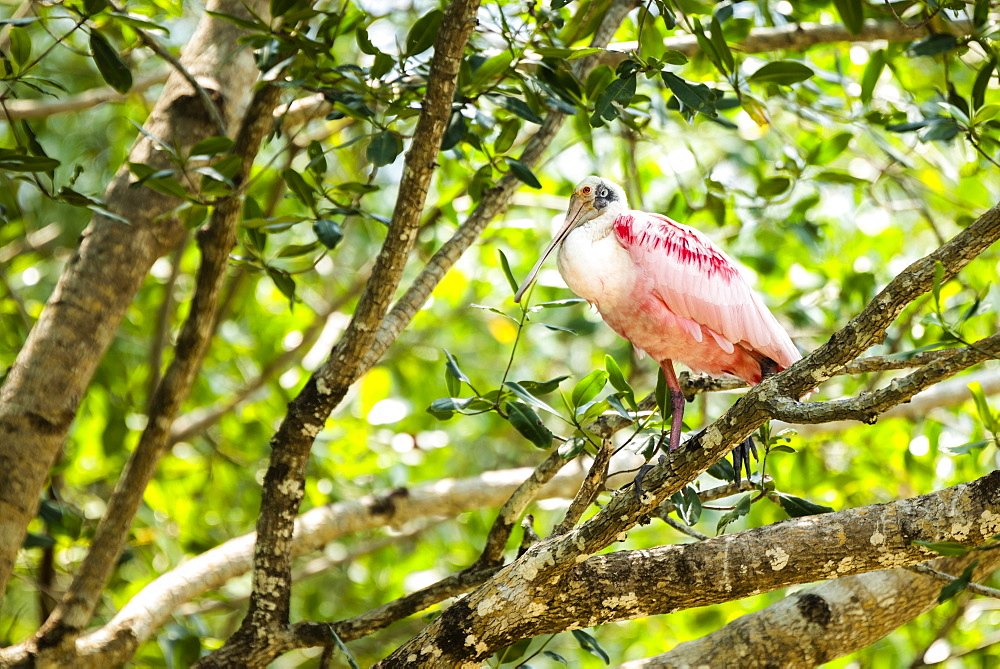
150 608
795 37
32 109
869 406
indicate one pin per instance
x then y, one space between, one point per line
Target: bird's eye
585 190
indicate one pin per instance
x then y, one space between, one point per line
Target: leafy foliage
825 170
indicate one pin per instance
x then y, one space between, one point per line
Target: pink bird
668 289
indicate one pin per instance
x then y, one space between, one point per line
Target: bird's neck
603 225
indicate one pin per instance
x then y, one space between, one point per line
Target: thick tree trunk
43 389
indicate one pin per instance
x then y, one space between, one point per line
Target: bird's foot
741 457
641 474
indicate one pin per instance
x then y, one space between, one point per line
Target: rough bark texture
820 624
100 281
528 599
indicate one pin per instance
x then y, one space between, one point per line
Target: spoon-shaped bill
572 217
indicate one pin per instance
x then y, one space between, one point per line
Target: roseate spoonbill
668 289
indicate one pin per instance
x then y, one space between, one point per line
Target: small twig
685 529
592 485
948 578
162 332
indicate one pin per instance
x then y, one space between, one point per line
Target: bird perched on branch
669 290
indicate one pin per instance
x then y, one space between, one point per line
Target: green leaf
616 403
782 72
523 174
521 392
933 45
451 366
698 97
542 387
873 70
719 42
298 185
109 63
384 148
284 282
591 645
722 470
365 43
552 655
505 266
527 422
688 505
328 232
852 13
519 107
423 32
742 508
35 540
773 187
493 67
796 507
13 161
555 304
212 146
981 83
454 132
589 387
508 133
959 584
381 66
990 420
621 91
945 548
20 45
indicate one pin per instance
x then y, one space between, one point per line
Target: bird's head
593 199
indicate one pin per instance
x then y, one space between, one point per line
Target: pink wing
697 280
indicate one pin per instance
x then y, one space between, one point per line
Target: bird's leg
677 402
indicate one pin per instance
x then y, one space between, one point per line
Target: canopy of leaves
825 169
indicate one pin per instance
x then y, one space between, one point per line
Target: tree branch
868 406
34 109
265 624
820 624
630 584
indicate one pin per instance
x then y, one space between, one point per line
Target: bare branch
33 109
796 37
592 486
974 588
868 406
